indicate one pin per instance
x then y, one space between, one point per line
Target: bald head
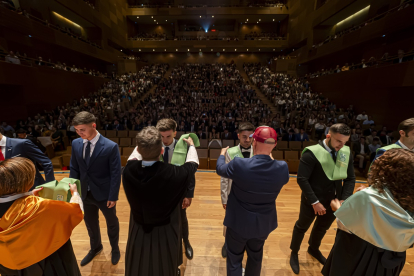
264 148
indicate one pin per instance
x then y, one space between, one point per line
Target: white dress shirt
3 145
93 143
171 148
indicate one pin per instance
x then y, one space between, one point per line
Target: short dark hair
406 125
246 126
341 129
21 130
83 118
149 143
166 125
375 139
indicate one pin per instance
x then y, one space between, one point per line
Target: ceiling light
212 16
137 16
247 49
155 20
200 16
235 49
153 50
273 49
176 50
165 19
257 22
212 50
259 49
188 50
199 50
165 50
247 19
121 50
224 50
260 20
140 50
152 16
273 19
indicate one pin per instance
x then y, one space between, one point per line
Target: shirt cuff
315 202
192 155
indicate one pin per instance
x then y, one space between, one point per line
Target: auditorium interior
299 66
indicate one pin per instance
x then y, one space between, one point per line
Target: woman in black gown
376 225
34 232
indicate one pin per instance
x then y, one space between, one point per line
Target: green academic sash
235 152
334 171
392 146
59 190
378 219
180 149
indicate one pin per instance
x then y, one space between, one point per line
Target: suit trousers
236 245
184 224
306 217
91 218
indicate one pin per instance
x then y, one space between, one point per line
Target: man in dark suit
251 216
201 134
289 136
192 127
118 126
226 135
96 163
362 153
11 147
302 136
320 185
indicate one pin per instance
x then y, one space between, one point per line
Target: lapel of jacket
9 148
81 145
100 145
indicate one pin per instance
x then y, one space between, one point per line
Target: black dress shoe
224 251
116 255
188 250
294 262
317 255
92 254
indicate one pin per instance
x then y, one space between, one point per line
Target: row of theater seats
208 157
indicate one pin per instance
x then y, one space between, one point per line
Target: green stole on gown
378 219
236 152
334 171
180 150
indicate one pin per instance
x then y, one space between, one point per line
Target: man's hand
360 188
225 206
110 204
223 151
336 204
186 202
319 209
36 191
189 141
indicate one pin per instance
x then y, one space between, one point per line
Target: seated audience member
57 138
386 138
373 146
201 134
12 58
369 121
226 135
362 117
8 129
35 232
118 126
319 129
302 136
371 137
375 225
362 152
291 136
400 57
355 137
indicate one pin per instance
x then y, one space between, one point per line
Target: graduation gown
34 228
155 194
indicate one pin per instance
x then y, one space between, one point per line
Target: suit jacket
103 175
357 148
202 136
305 137
257 181
228 137
287 138
25 148
315 185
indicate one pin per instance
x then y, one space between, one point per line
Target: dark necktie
338 183
166 149
334 156
87 157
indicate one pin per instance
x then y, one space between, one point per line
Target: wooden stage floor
205 217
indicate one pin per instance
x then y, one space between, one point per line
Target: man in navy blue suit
96 163
11 147
251 208
302 136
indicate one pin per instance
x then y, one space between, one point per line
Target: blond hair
17 175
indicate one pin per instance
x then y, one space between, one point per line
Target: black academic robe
155 194
61 263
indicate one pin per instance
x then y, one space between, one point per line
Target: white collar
148 163
326 147
3 141
94 140
404 146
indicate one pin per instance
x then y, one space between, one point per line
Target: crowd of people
263 36
11 57
401 57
